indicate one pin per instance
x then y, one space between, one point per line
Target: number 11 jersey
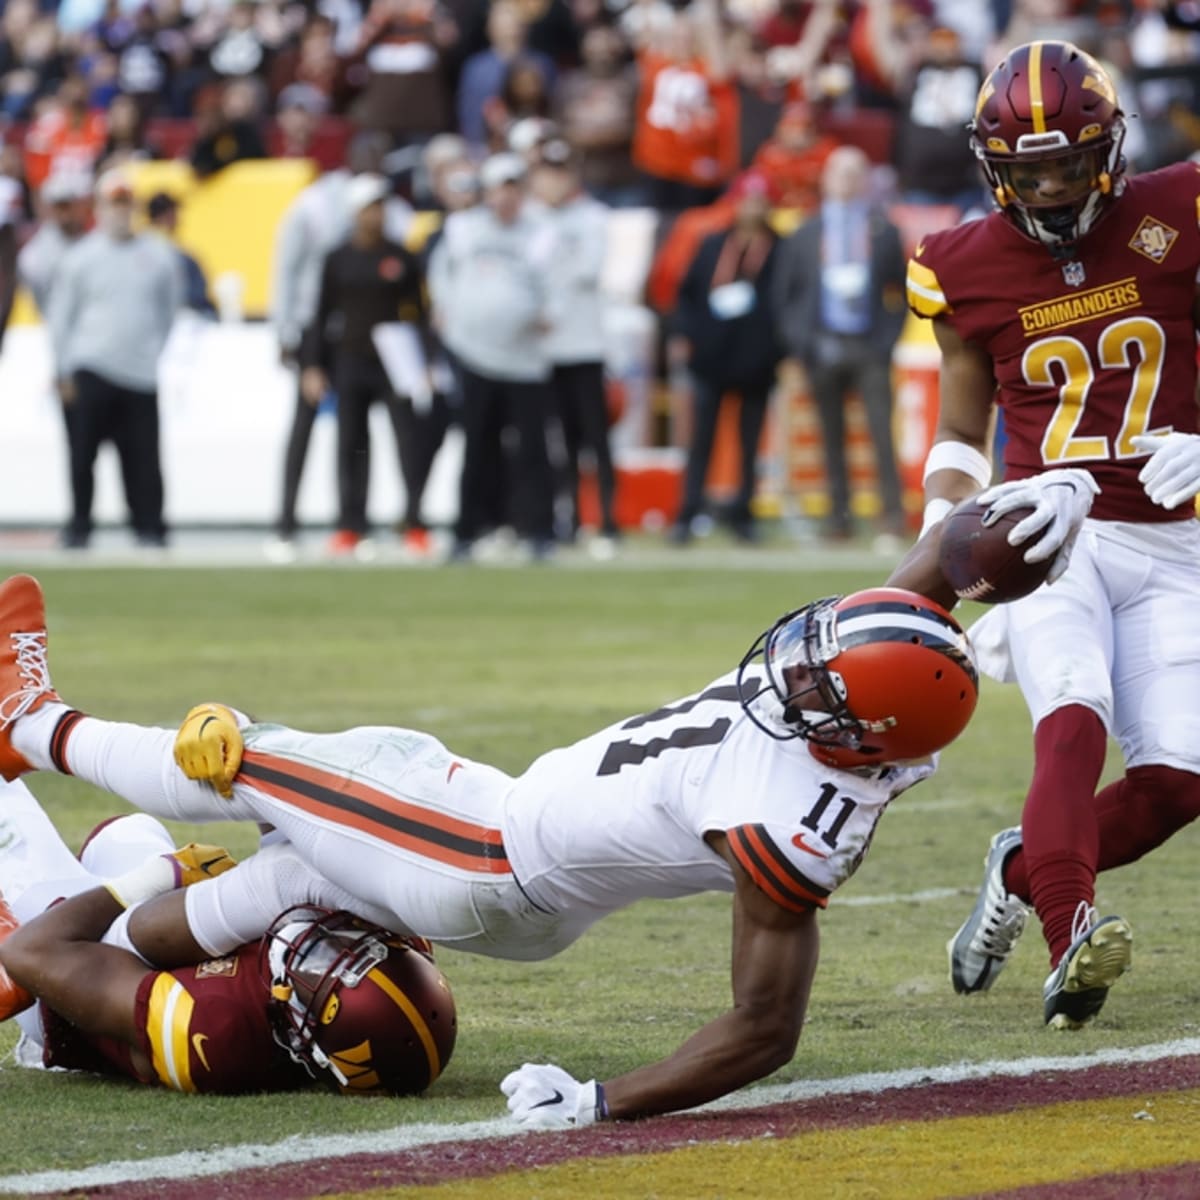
621 815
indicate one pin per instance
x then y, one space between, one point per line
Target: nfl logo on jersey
1073 273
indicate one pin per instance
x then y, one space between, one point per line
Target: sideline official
114 300
487 279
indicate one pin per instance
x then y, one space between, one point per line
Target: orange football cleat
13 998
24 673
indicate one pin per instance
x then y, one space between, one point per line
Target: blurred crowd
524 122
665 102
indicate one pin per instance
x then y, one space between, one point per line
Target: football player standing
1073 309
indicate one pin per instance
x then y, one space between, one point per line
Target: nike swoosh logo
801 843
204 725
212 862
198 1040
555 1099
454 766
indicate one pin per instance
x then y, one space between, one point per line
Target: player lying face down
767 784
323 995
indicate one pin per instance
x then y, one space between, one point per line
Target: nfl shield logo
1073 273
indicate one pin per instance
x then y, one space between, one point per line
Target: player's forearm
734 1050
51 954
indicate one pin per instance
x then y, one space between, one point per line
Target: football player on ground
323 995
768 784
1073 308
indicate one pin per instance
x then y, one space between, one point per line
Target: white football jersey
621 815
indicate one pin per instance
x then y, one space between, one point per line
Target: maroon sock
1059 824
1134 815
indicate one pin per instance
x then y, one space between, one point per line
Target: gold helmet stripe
418 1022
1037 103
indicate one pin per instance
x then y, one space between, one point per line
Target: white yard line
193 1164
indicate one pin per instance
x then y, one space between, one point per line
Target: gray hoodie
112 306
576 304
487 281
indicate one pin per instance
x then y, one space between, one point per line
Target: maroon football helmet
358 1001
1048 134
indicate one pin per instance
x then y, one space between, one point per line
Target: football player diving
768 784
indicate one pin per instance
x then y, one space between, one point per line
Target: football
977 561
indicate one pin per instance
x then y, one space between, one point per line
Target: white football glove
543 1096
1061 499
1172 475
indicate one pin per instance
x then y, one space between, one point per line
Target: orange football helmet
879 676
358 1001
1048 133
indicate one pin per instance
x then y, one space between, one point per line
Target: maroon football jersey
204 1029
1088 352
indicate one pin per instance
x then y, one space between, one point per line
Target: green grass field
502 664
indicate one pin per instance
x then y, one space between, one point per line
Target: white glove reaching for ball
1171 477
543 1096
1061 499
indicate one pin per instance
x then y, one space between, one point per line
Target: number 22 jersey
621 815
1088 351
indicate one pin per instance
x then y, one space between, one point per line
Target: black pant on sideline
105 411
831 383
489 408
583 414
706 407
419 436
303 417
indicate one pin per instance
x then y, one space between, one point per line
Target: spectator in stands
487 279
524 97
230 130
935 86
240 51
127 140
35 65
686 134
724 331
402 70
143 64
794 158
484 72
298 112
315 222
66 208
111 308
839 308
595 107
575 341
313 61
367 282
68 136
162 213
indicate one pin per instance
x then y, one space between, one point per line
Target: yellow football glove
197 862
208 746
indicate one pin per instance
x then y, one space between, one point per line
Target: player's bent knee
1173 792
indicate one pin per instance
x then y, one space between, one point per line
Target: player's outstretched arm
774 960
58 957
957 466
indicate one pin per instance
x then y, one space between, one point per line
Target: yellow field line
903 1160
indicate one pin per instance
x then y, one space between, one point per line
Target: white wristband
935 513
958 456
